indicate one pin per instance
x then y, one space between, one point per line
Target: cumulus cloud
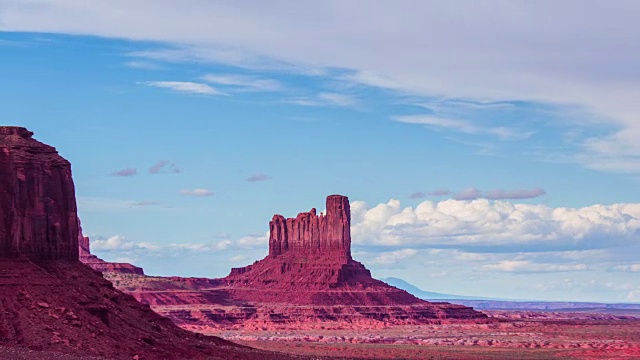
495 224
258 177
125 172
116 242
523 266
185 87
199 192
164 166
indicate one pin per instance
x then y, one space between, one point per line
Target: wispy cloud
392 257
461 63
196 192
523 266
144 65
440 192
626 268
234 82
116 242
468 194
253 241
417 195
125 172
499 194
463 126
435 121
185 86
258 177
145 203
325 99
164 166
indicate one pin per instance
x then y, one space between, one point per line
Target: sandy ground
518 335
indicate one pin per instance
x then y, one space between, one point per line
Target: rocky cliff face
309 233
38 216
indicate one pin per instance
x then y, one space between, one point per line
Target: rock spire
309 233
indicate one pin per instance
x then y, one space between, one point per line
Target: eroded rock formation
94 262
309 233
308 280
49 301
38 215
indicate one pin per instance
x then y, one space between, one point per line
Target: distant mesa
98 264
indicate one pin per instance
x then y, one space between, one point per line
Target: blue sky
487 149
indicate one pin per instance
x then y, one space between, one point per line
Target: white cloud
523 266
455 124
122 246
116 242
392 257
238 258
254 241
467 127
197 192
627 268
584 61
498 194
484 223
223 244
144 65
185 86
325 99
243 82
164 166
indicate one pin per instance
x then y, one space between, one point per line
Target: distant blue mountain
428 295
480 303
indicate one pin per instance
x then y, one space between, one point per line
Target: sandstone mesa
308 280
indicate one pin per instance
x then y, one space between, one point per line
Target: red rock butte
308 280
311 234
38 215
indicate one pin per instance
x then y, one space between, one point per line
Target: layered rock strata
38 215
309 279
94 262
